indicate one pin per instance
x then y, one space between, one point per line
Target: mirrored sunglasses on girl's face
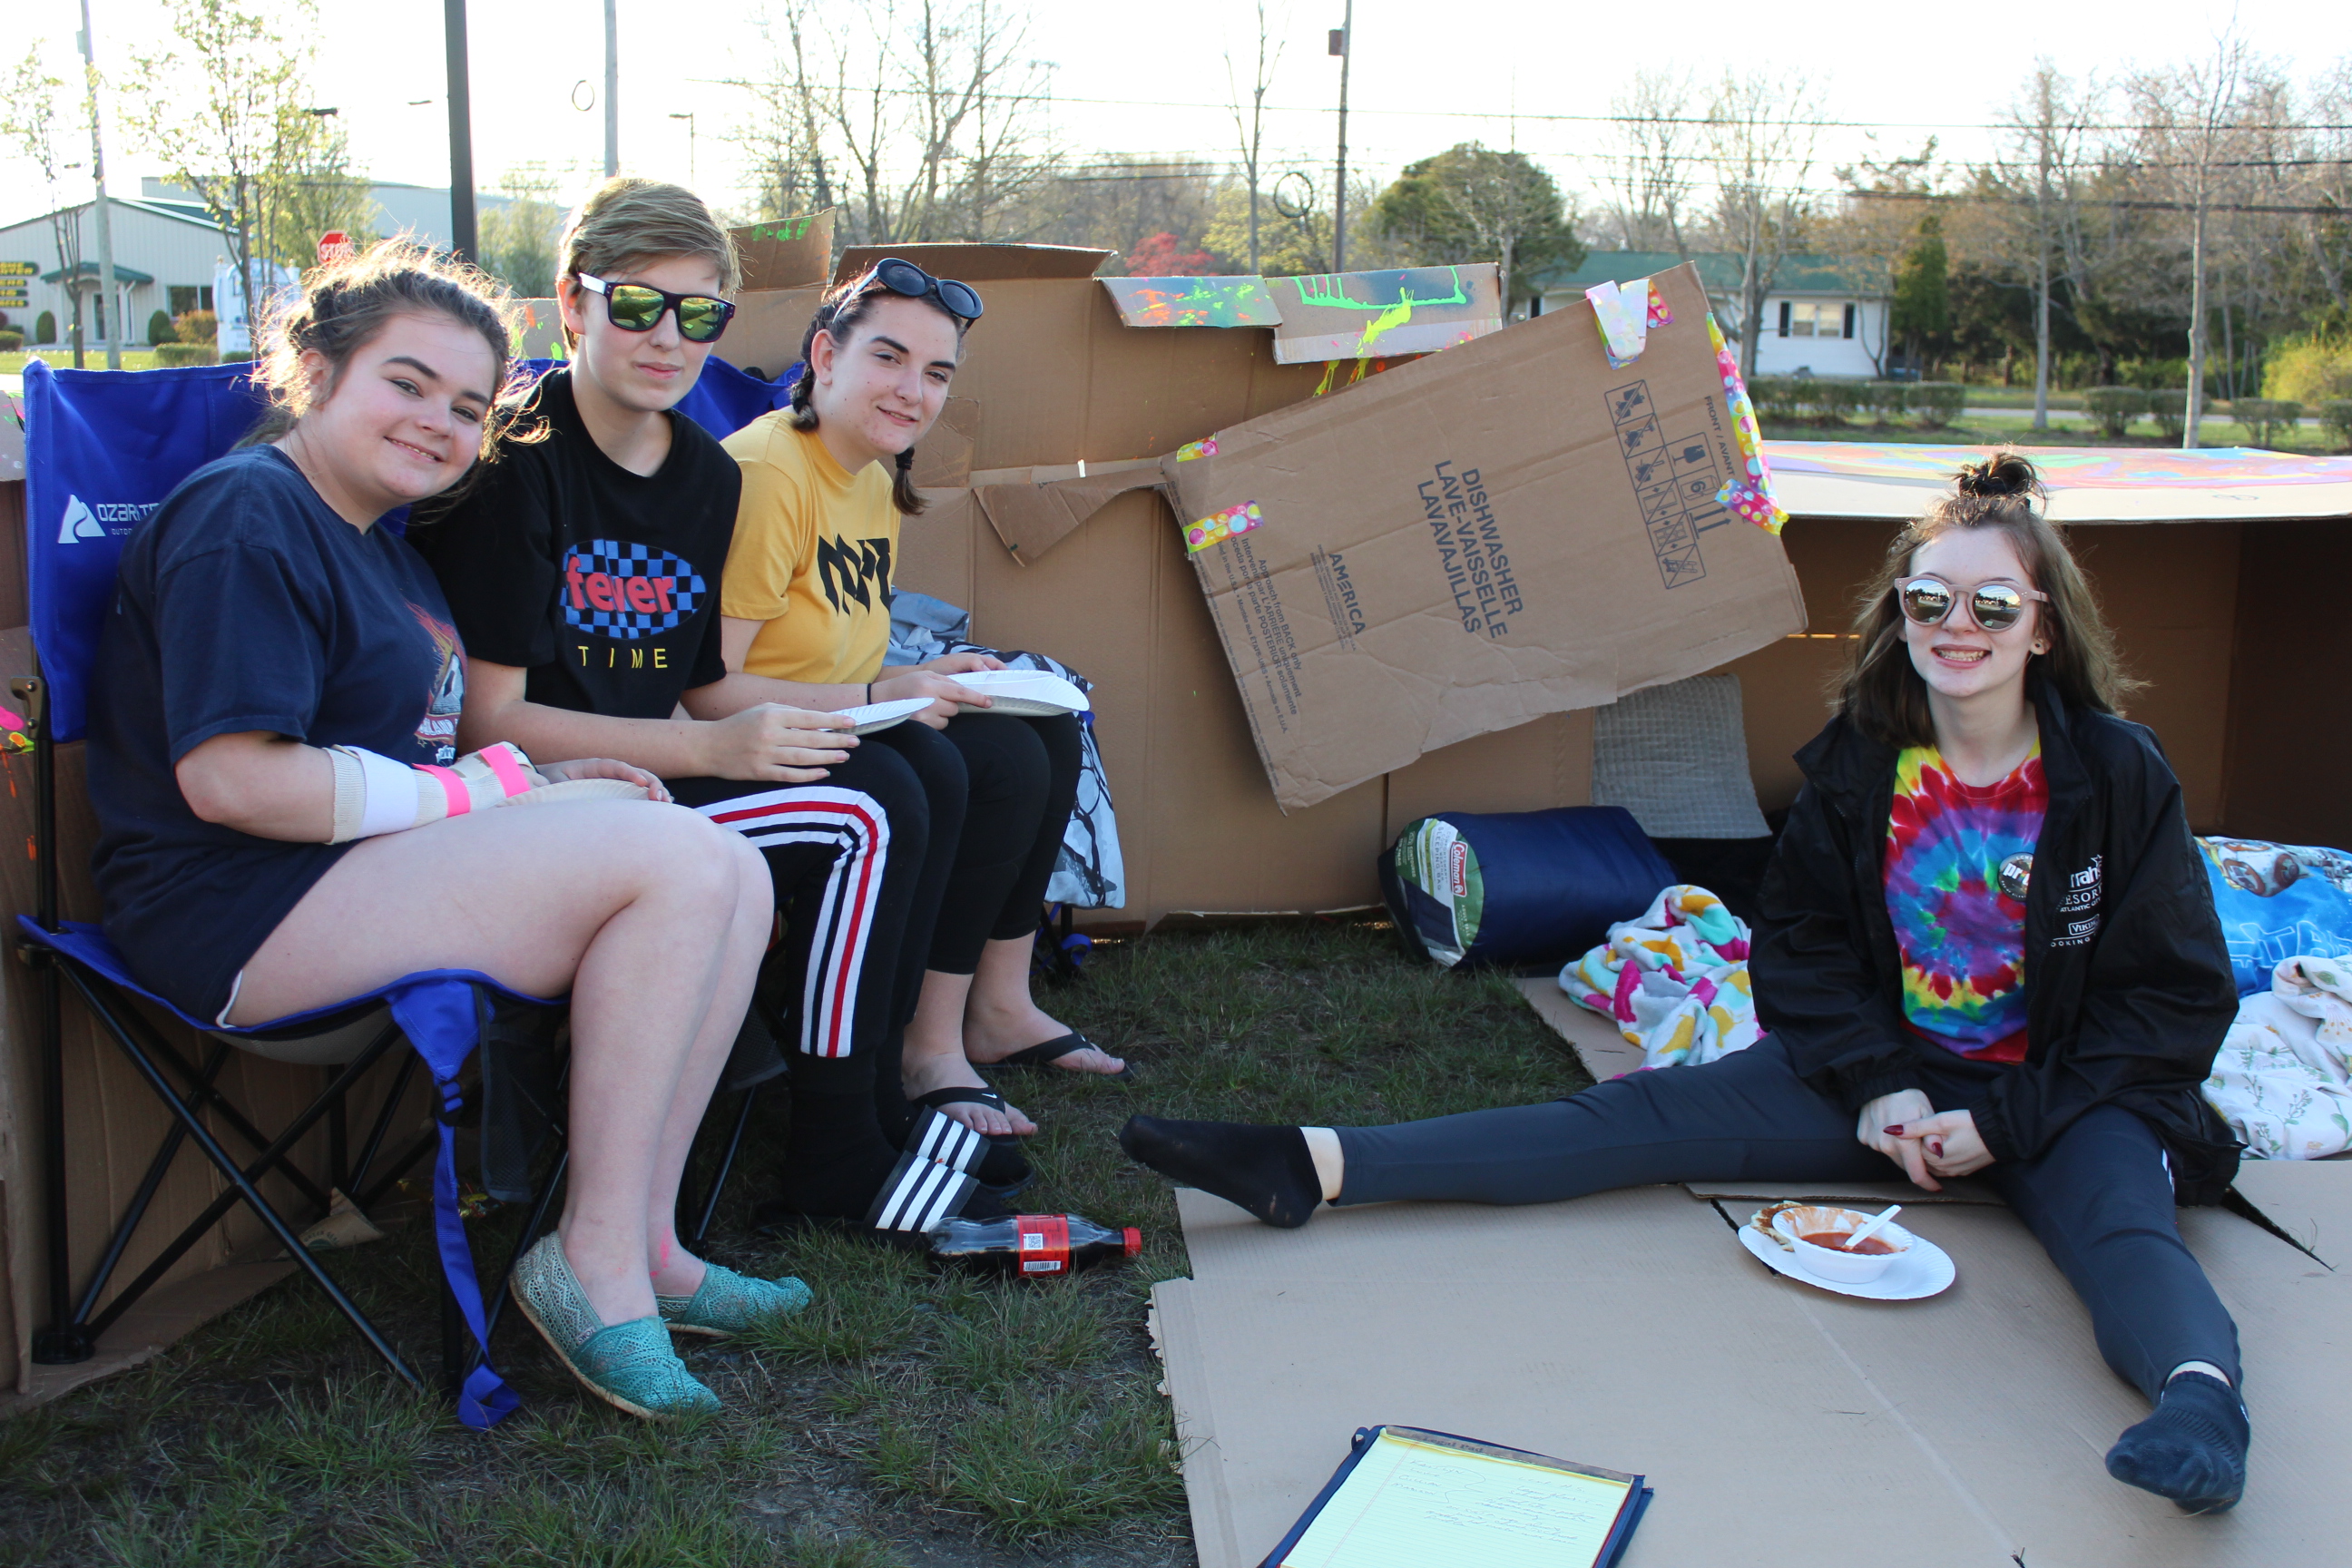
639 307
1995 606
961 300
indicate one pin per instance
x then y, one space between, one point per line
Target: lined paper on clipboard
1407 1498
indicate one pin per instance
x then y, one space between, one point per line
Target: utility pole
1342 43
108 308
612 88
688 118
463 242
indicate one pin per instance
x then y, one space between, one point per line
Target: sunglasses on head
639 307
961 300
1996 606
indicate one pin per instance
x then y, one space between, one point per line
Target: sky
1420 81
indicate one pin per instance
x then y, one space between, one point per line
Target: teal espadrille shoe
727 1303
630 1364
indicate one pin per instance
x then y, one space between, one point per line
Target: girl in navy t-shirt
286 822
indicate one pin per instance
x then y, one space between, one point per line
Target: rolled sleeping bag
1518 887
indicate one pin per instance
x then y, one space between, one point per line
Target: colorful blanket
1673 979
2280 1078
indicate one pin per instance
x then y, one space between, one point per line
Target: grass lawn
908 1418
62 359
1995 428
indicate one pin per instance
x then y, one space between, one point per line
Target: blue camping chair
102 449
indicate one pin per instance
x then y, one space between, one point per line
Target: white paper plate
875 716
1025 693
581 789
1925 1270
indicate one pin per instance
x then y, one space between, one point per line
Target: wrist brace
375 795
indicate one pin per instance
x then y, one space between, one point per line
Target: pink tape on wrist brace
500 760
461 800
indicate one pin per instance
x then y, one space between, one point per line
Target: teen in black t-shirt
585 575
277 694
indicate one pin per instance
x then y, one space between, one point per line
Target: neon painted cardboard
1381 315
1240 301
2087 484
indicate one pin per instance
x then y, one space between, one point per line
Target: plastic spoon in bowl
1868 1228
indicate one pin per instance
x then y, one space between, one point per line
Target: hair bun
2002 475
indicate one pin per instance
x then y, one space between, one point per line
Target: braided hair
837 315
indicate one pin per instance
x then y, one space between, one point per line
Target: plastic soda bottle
1032 1243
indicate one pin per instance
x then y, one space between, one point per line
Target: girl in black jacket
1987 946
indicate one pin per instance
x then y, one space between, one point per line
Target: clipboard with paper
1405 1498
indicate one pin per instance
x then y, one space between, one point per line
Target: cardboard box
1468 542
1381 315
1779 1424
789 253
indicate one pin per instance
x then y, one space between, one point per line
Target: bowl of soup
1818 1234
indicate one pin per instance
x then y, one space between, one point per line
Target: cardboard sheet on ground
1380 315
1468 542
1630 1329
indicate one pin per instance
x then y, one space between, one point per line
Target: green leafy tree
518 240
1471 203
1922 312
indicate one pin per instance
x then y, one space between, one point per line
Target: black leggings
1021 779
2099 1199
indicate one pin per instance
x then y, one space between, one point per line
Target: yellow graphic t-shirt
812 556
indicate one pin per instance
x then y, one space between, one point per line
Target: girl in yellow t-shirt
806 599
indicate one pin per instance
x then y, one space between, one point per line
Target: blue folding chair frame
142 433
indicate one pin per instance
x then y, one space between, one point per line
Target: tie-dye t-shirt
1962 937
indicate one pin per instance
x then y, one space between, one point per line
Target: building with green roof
1824 315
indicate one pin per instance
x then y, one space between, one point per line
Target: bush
195 327
11 340
1804 396
44 329
1937 403
2335 415
2115 408
2265 417
1774 397
1841 400
1885 399
186 353
2152 375
2308 369
160 330
2169 409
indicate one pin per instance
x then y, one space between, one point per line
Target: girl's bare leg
638 909
933 1057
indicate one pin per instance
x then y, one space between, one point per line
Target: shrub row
1935 404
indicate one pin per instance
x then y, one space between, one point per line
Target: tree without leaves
1761 136
1470 203
1251 128
2188 113
2048 126
1874 228
1656 142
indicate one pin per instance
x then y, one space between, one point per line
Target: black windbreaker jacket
2129 990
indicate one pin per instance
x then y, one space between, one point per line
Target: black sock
1265 1170
2192 1449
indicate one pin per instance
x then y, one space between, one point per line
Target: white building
1818 319
166 251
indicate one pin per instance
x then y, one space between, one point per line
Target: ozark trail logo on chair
83 521
628 591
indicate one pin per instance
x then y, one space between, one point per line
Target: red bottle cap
1134 1240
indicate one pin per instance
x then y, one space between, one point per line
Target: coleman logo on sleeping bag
846 567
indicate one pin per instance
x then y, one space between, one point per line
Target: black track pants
1022 779
2099 1199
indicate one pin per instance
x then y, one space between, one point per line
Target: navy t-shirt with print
602 583
246 603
